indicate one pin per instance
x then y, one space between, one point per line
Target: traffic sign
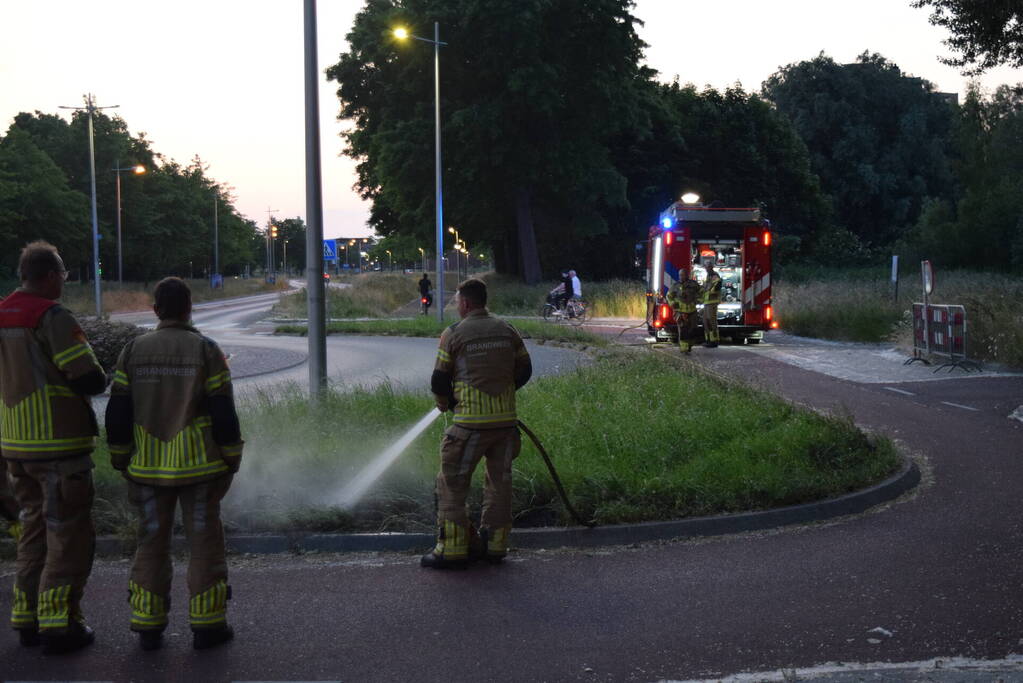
329 250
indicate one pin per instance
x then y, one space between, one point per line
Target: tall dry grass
136 296
370 295
860 307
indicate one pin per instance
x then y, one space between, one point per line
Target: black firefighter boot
76 636
452 549
151 640
205 638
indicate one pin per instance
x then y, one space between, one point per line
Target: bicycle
576 312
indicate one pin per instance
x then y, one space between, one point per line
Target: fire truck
738 241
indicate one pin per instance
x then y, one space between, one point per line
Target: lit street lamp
402 34
423 254
137 170
390 261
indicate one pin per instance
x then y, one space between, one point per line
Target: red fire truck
739 242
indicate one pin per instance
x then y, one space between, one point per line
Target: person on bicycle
425 293
560 295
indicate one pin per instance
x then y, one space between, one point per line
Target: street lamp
402 34
138 169
390 261
423 254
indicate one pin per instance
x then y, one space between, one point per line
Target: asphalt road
936 574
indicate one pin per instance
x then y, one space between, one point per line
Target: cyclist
560 295
425 293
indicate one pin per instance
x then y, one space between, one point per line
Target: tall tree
985 33
532 93
36 203
877 139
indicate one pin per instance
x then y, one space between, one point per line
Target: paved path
935 575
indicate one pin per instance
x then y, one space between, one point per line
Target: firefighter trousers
57 541
710 323
460 452
150 582
686 323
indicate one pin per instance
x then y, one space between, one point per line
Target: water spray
357 487
360 484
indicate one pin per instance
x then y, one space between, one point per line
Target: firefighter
173 431
683 297
47 434
481 363
711 292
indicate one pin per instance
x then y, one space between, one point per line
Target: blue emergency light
666 222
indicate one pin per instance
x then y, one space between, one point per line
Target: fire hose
554 475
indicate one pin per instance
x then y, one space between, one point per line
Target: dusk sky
223 79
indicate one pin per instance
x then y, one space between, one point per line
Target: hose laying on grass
557 480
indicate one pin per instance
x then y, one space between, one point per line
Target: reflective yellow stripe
68 355
121 378
231 451
118 449
48 445
209 607
54 607
443 355
23 612
478 407
218 380
147 609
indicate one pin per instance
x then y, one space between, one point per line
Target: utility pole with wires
90 107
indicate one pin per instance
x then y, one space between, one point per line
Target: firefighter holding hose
481 363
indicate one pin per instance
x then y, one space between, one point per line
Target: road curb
891 488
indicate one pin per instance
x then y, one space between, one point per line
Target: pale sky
223 78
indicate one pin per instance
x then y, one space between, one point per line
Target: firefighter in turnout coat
47 434
711 298
481 363
683 297
173 431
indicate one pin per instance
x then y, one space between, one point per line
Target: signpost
329 250
928 277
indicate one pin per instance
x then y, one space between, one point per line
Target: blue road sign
329 250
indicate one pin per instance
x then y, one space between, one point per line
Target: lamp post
423 254
90 107
390 260
401 34
137 170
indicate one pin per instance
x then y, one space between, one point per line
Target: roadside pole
895 278
314 214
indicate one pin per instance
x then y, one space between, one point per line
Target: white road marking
960 405
900 391
1011 663
1017 414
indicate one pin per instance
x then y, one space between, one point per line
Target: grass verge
369 295
427 326
633 438
858 306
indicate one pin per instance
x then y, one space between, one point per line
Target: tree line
167 213
560 148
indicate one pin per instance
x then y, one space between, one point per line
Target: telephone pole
90 107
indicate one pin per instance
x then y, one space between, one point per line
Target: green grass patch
136 296
427 326
633 436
